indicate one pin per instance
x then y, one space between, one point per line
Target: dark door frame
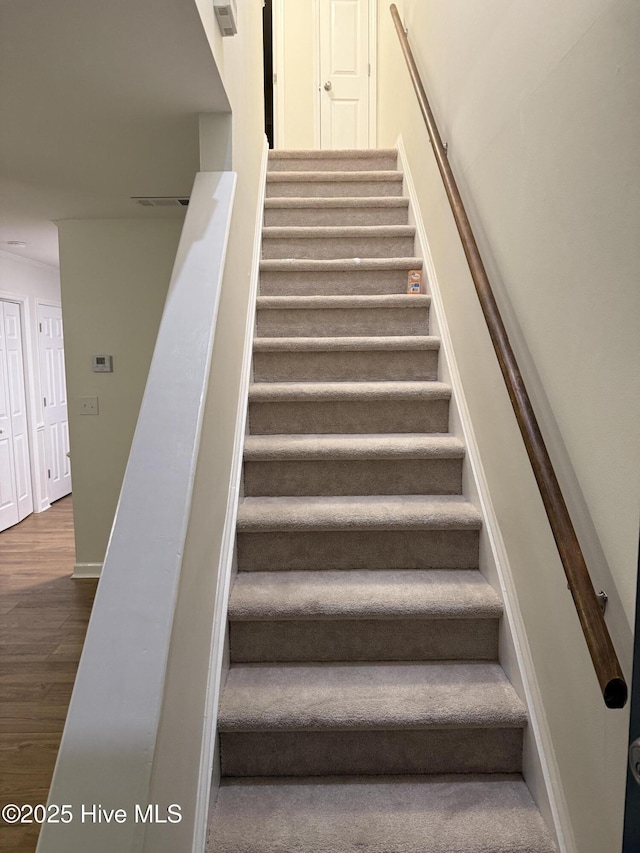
267 40
631 839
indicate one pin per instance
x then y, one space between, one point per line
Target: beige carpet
365 710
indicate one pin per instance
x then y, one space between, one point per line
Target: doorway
267 40
324 73
16 495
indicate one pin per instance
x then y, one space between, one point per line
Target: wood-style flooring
43 620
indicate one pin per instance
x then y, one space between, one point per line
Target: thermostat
103 364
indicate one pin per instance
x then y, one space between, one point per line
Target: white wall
533 100
115 274
295 33
32 282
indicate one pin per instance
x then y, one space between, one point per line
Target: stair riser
351 283
371 752
301 216
349 416
364 640
330 248
349 366
333 189
353 477
333 164
359 549
342 322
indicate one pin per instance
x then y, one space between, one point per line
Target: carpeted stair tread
321 391
363 595
318 303
354 446
353 464
375 512
330 153
337 265
331 211
355 176
305 232
397 358
338 276
409 814
333 160
340 202
368 696
334 240
355 344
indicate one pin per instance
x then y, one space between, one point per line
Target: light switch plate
87 405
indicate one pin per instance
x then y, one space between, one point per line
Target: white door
344 73
54 392
16 498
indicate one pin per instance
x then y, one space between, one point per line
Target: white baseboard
545 768
87 570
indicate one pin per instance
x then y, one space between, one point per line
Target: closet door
55 401
16 498
345 81
18 401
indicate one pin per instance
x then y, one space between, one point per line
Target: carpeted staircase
364 710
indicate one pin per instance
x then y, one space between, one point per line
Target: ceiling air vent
227 15
164 201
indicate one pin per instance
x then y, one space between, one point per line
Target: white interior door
344 73
18 400
54 391
16 496
8 491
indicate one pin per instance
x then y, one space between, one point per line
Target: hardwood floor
43 620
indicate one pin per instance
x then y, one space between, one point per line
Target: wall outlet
87 405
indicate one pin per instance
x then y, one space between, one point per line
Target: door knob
327 86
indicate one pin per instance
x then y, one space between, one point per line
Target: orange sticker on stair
415 281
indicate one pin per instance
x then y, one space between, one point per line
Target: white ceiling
99 101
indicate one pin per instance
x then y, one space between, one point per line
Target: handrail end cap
616 693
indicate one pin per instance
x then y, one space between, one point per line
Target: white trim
9 256
50 303
373 77
228 538
317 82
87 570
277 40
43 501
537 718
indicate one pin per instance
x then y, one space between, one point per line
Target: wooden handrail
603 655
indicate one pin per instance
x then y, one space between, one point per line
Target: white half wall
187 734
